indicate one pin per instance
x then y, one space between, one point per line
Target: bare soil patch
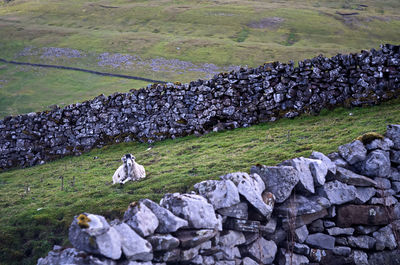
268 22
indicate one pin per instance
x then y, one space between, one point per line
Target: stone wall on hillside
342 208
229 100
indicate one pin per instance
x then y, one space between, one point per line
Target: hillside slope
35 212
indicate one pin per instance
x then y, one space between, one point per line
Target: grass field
185 35
35 213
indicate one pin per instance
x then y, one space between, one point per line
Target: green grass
31 222
217 32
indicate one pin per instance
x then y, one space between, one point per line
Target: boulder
338 192
306 179
363 242
301 233
168 222
393 133
362 215
220 193
231 238
385 238
133 246
321 241
377 164
364 194
349 177
319 170
262 251
193 208
70 256
353 152
141 219
384 144
302 205
279 180
92 233
251 187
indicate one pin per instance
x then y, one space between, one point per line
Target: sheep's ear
123 159
133 157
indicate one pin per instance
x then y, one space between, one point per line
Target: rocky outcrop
249 219
228 100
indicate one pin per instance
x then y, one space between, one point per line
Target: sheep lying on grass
130 170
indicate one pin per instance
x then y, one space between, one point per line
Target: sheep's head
83 221
128 160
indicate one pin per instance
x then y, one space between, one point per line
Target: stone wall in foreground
337 209
229 100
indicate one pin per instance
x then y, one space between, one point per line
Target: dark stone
361 215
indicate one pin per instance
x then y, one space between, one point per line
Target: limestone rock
363 242
285 258
320 240
239 211
164 242
141 219
364 194
92 233
384 257
336 231
353 152
351 178
231 238
220 194
242 225
342 251
251 187
395 156
302 205
248 261
377 164
306 180
133 246
168 222
279 180
338 192
328 162
193 208
385 238
301 233
70 256
262 251
393 133
360 258
384 144
193 238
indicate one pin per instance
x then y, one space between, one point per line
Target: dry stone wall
229 100
337 209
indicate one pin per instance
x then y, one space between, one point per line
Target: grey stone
296 247
141 219
192 238
364 194
164 242
193 208
319 170
394 174
173 255
133 246
384 144
360 257
349 177
385 238
251 237
248 261
70 256
269 227
396 186
342 251
384 257
320 240
387 201
251 187
353 152
336 231
328 162
242 225
316 226
302 165
263 251
228 253
286 258
129 262
329 224
383 183
338 160
94 235
168 222
231 238
301 233
365 230
338 192
239 211
302 205
279 236
363 242
278 180
189 254
208 260
393 133
220 194
305 219
225 262
377 164
395 156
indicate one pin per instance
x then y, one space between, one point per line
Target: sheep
130 170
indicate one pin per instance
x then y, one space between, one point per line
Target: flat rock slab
161 242
286 258
363 242
349 177
220 193
349 215
306 180
193 208
242 225
302 205
193 238
239 211
168 222
336 231
328 162
338 192
364 194
141 219
320 240
278 180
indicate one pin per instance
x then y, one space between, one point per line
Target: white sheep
130 170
